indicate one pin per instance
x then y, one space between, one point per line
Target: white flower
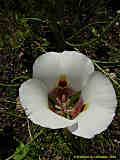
62 75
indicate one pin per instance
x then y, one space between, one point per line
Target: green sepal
74 99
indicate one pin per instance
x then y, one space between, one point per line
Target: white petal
99 90
34 99
76 66
47 68
100 95
93 122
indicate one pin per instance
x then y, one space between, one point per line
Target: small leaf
21 151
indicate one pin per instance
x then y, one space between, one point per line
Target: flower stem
75 146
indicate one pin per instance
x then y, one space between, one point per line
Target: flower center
65 101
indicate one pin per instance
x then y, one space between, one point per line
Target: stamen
58 101
63 98
58 107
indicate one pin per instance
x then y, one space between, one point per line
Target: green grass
30 141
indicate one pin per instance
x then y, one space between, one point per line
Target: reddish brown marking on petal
84 105
58 92
77 110
74 114
62 83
